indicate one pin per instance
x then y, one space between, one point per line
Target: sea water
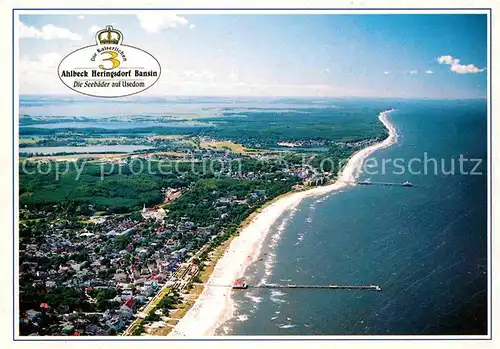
425 246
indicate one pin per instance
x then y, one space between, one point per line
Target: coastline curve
215 306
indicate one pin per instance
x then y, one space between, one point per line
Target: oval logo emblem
109 68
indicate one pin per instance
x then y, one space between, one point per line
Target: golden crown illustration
109 36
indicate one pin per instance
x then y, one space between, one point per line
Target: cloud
47 32
204 75
447 60
154 22
387 72
192 26
457 67
413 72
234 77
429 72
206 82
81 17
42 63
94 29
38 74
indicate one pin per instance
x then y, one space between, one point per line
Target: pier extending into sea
293 286
388 184
331 287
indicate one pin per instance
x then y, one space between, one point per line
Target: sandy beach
214 305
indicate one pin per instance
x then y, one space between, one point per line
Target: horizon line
252 96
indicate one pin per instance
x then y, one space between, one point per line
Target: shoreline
214 305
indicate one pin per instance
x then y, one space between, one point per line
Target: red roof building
130 303
238 284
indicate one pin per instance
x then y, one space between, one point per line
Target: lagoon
123 148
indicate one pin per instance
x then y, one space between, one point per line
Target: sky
339 55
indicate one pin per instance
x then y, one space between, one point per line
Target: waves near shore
214 305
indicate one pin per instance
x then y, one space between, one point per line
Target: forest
260 127
122 189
